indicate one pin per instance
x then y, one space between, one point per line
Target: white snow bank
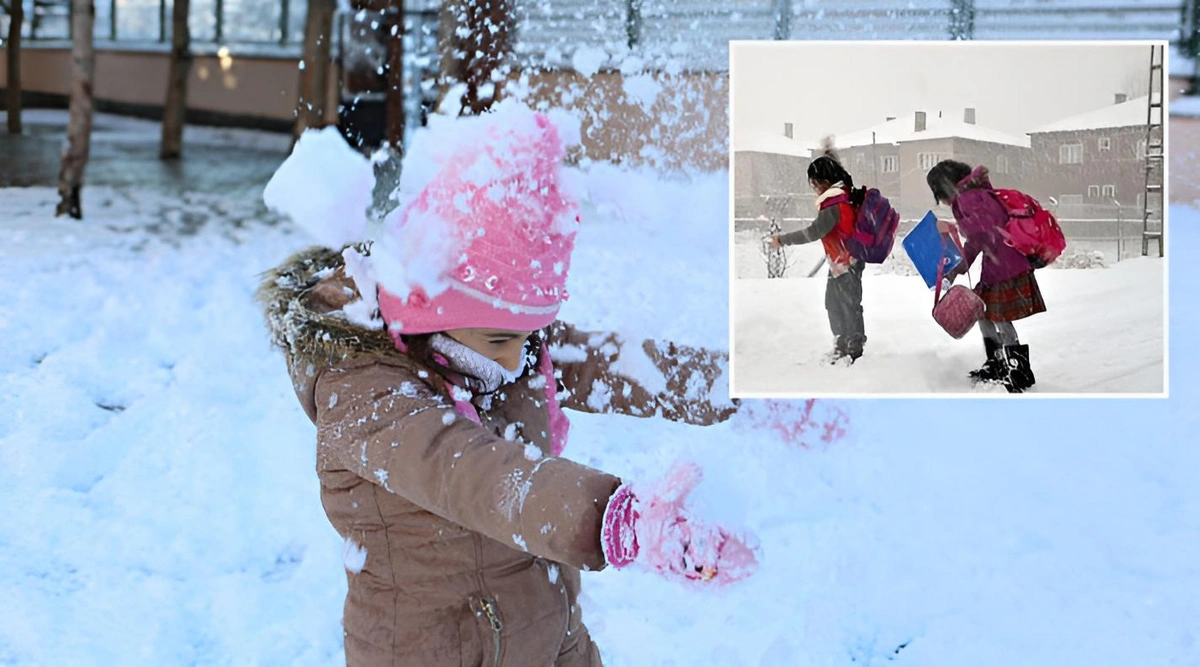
1102 332
158 473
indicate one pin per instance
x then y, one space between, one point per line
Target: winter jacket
833 225
980 216
473 536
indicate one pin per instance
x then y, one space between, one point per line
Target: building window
1110 191
1093 191
928 160
1070 154
1002 164
1105 143
219 22
889 164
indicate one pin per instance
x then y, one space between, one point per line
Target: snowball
636 365
353 556
325 187
588 60
642 90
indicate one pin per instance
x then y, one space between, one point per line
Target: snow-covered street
1102 333
161 505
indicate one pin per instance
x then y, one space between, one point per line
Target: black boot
993 369
1020 373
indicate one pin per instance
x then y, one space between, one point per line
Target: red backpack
1031 230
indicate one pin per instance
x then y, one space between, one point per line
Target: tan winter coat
464 543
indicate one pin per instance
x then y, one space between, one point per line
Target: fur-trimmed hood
302 302
979 178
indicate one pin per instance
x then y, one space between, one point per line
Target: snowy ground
162 509
1102 333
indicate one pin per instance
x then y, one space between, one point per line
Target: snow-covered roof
1125 114
903 128
775 144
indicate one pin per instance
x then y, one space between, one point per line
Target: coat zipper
489 608
486 604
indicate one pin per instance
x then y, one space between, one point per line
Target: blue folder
926 246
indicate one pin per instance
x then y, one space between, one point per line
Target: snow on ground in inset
1102 332
162 506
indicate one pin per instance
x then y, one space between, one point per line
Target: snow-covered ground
1103 332
161 505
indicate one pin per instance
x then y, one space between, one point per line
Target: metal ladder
1153 202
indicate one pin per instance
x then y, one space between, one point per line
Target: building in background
895 155
770 177
1091 161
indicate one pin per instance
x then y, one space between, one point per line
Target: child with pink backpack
1007 284
439 415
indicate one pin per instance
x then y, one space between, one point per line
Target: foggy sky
838 88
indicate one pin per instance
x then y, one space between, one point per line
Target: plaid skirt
1013 299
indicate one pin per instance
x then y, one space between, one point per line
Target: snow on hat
485 239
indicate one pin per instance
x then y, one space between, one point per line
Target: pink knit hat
486 241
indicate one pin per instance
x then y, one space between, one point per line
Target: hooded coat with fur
473 536
980 217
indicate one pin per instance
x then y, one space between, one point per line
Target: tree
175 108
474 39
16 15
79 127
314 66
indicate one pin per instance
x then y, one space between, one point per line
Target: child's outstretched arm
385 425
824 223
389 427
604 373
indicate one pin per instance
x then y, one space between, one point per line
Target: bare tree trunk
16 15
474 37
79 128
314 66
175 108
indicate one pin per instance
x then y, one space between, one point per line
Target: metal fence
1117 237
693 34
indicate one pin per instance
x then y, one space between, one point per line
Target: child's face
505 347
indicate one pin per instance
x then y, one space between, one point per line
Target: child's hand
944 227
656 530
774 242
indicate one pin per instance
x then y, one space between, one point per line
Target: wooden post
474 41
79 127
16 15
394 105
962 19
175 107
314 66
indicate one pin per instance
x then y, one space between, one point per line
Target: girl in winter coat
1007 284
439 430
837 204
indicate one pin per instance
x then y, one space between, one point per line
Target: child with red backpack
838 204
1007 285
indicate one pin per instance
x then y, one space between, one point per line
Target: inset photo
948 219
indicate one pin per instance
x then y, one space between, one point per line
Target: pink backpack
1031 230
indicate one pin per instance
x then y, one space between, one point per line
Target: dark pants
843 301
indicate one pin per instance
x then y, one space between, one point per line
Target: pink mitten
658 532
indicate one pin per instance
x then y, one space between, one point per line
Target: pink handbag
959 310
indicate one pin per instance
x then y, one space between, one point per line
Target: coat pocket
489 628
